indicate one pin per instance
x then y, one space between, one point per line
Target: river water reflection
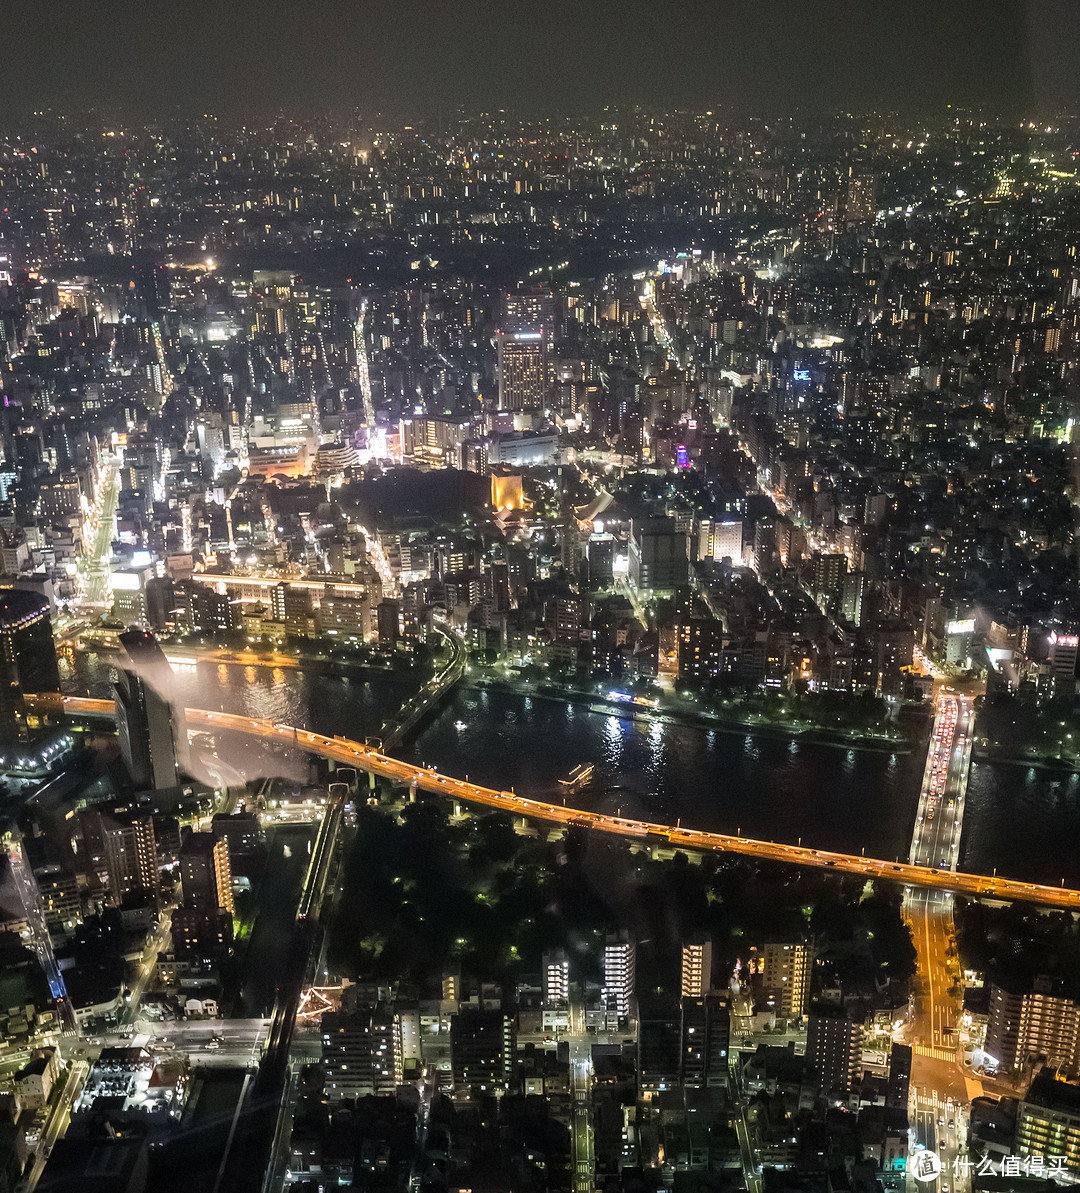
1023 822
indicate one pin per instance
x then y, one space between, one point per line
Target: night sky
240 58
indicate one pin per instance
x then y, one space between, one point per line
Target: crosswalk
934 1053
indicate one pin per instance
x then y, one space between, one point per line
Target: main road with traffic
941 1085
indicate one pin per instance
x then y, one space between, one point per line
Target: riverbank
811 735
270 660
1008 756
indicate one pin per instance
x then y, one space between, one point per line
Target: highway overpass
362 757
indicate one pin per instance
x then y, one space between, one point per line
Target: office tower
27 658
1064 654
474 456
130 853
834 1048
481 1050
360 1052
528 312
717 539
896 1093
205 873
697 968
144 716
523 370
704 1039
619 966
659 555
556 977
785 979
152 290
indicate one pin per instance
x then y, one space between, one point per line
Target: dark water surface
1026 823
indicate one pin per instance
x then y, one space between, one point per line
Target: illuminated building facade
506 493
27 657
786 979
697 968
524 370
620 964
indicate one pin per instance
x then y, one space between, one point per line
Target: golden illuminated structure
506 492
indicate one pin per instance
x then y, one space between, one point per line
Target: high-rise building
1030 1024
704 1039
1048 1121
61 899
899 1087
529 312
481 1050
620 954
205 873
785 979
853 598
834 1048
130 853
718 539
697 967
524 370
1064 653
659 1042
360 1052
556 977
144 716
827 575
387 622
201 932
27 657
659 555
699 644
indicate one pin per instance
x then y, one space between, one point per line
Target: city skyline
541 646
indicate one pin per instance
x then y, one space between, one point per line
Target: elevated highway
362 757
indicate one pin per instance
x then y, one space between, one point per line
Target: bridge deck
364 758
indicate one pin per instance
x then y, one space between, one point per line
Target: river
1018 820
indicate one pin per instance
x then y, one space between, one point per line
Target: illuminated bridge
354 754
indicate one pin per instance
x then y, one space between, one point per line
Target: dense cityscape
389 510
